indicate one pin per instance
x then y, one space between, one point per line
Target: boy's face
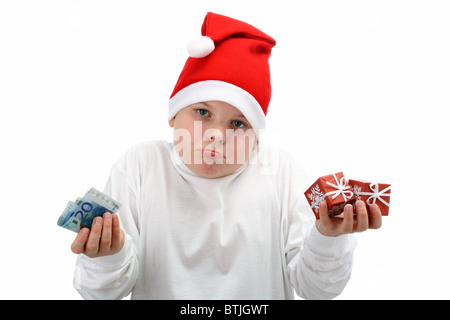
213 138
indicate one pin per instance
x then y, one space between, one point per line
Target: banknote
81 212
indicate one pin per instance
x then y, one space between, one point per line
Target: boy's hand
360 222
105 237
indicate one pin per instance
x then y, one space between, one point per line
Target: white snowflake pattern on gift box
356 191
316 196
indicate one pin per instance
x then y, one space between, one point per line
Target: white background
358 86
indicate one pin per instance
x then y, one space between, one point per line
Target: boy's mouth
212 154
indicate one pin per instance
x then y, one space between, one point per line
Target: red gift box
371 192
334 189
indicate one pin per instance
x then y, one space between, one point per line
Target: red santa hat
229 63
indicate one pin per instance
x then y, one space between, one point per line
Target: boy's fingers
323 213
375 218
92 244
79 242
116 233
347 223
362 219
105 240
323 210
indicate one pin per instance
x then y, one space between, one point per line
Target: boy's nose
215 135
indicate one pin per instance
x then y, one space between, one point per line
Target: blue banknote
81 212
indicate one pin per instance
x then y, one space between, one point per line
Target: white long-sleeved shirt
249 235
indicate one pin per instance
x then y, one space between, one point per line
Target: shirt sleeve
318 267
109 277
321 266
113 277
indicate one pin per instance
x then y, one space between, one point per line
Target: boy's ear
172 122
255 145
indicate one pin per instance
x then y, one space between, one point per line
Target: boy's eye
203 112
238 124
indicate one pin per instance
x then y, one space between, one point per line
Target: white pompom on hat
201 47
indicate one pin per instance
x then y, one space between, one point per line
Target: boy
214 215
